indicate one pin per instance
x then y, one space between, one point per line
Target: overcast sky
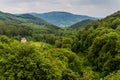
95 8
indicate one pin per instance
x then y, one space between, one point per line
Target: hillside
9 17
23 18
81 24
31 19
62 19
100 42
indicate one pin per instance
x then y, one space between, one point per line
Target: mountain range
62 19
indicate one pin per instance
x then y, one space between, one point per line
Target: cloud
98 8
95 2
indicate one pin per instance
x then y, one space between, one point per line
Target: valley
59 46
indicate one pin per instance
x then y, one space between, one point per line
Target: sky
95 8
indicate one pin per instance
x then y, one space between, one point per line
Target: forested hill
81 24
32 19
100 42
113 16
8 17
51 53
62 19
23 18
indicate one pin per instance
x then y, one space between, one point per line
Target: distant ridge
62 19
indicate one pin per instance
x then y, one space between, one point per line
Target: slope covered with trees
22 18
99 41
51 53
81 24
31 19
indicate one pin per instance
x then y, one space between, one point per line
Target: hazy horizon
92 8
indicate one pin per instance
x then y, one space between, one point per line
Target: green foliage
89 74
35 61
66 43
102 51
115 23
100 43
113 76
70 75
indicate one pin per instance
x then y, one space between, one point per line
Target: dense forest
88 52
